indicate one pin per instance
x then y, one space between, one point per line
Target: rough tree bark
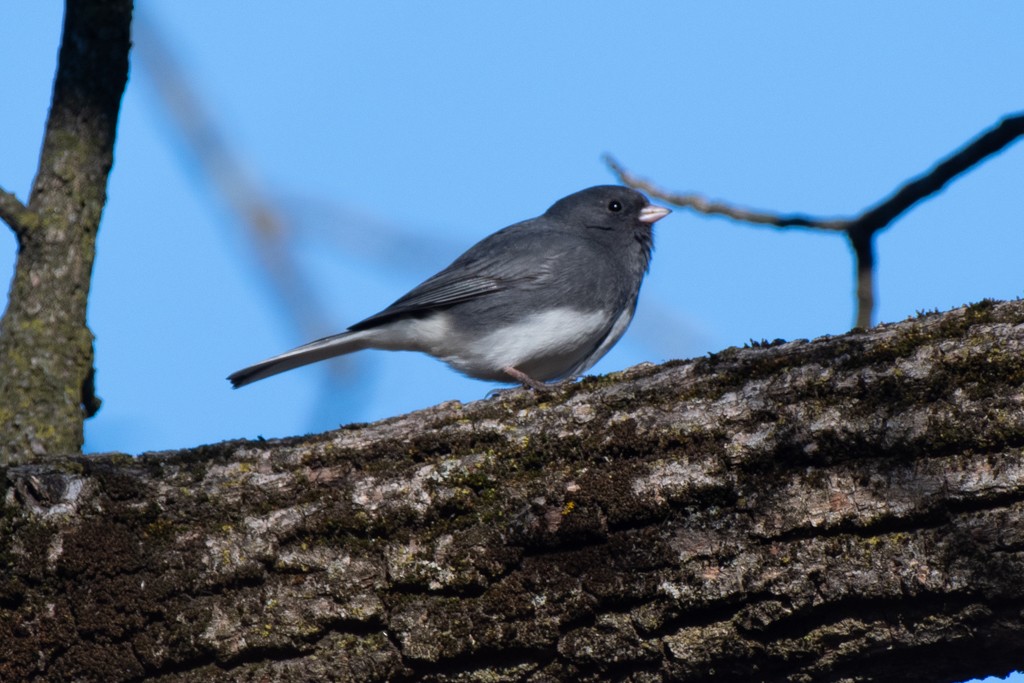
846 509
46 354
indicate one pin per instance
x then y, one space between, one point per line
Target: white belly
547 345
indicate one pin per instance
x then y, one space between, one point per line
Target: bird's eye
615 205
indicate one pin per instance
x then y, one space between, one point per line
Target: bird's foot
524 379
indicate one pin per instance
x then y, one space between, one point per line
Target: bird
539 301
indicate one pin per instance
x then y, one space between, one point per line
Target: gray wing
515 256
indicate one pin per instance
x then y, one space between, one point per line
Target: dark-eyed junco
540 300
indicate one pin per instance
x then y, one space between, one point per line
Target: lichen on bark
845 509
46 353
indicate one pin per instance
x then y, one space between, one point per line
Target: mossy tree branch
16 214
46 355
850 508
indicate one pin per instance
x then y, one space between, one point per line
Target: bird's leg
525 379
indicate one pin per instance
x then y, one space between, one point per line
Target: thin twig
876 217
713 208
859 229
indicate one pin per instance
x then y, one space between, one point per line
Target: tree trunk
846 509
46 355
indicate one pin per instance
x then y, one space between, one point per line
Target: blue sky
396 135
392 136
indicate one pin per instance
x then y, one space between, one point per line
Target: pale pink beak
652 213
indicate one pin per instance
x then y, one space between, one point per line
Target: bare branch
859 229
712 208
977 150
16 214
863 244
874 218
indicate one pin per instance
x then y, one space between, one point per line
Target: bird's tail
328 347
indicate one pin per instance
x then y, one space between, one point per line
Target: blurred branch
268 225
860 229
16 214
264 222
